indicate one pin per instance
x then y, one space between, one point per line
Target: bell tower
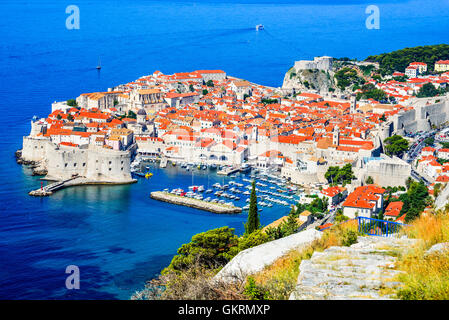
353 108
336 136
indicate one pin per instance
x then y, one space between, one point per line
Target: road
415 151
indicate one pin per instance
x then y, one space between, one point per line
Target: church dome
141 112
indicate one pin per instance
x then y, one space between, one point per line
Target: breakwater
194 203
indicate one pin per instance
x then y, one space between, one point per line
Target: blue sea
117 235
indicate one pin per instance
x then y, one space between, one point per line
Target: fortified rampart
421 117
94 163
386 171
320 63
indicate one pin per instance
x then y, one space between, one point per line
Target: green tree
253 222
72 103
436 189
427 90
274 233
209 249
131 115
369 91
191 88
400 59
395 145
253 239
415 200
205 92
429 141
70 117
335 174
210 83
409 182
331 174
290 226
369 180
346 77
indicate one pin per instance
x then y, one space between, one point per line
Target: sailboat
99 64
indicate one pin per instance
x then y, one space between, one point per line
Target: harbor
209 188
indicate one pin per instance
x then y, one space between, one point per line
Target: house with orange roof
334 194
427 151
393 209
364 201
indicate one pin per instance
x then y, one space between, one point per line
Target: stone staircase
358 272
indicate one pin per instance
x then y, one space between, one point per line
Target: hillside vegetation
398 60
426 276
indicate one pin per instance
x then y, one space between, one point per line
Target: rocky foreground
359 272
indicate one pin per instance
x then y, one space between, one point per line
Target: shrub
253 239
211 249
255 292
194 283
349 238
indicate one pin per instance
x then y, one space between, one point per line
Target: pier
194 203
228 171
48 190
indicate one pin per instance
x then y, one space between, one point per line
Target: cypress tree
253 223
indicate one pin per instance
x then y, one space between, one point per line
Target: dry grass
195 283
425 277
430 228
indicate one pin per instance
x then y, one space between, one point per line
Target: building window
65 165
109 169
84 164
74 164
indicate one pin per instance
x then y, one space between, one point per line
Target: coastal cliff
307 79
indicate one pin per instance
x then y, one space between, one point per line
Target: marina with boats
230 190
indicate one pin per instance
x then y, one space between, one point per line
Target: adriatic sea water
117 235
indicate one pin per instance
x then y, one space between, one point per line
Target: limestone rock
255 259
438 248
357 272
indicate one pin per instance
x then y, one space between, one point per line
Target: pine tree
290 226
253 223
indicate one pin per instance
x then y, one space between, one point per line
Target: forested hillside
398 60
